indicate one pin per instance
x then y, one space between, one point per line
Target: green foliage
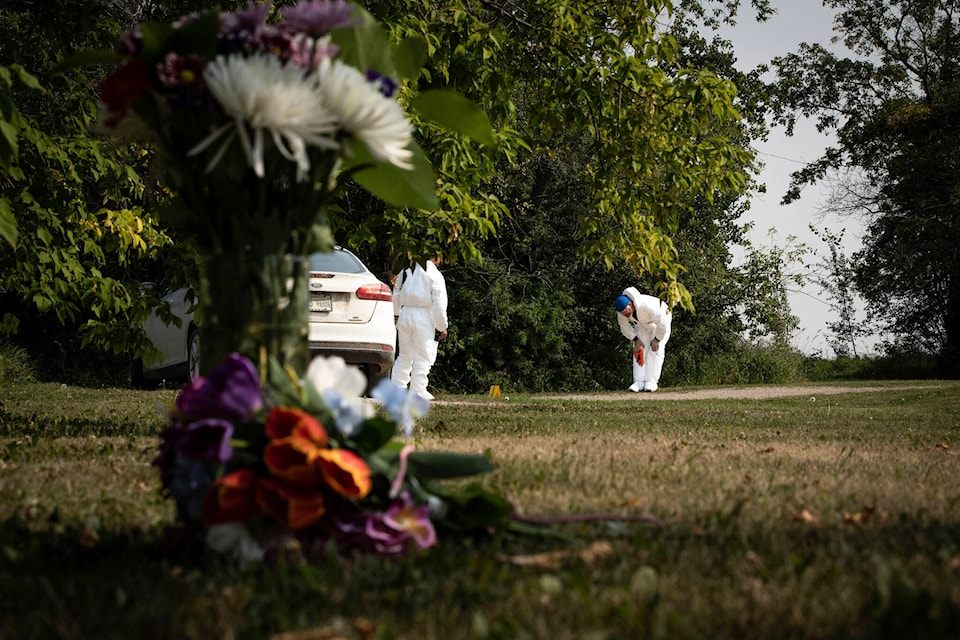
905 365
10 123
16 366
85 241
899 141
746 363
654 129
836 277
533 316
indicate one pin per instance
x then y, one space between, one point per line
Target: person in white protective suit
645 320
420 305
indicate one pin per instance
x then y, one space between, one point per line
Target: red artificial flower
127 85
232 498
345 472
292 459
283 422
292 506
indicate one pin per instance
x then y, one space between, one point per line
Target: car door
169 339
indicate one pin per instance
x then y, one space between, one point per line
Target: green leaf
153 37
399 187
443 464
452 110
26 77
374 434
474 507
8 144
198 36
366 45
8 224
409 57
282 386
89 58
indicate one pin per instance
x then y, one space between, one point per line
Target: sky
755 43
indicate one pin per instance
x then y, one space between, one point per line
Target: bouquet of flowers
309 465
256 117
238 97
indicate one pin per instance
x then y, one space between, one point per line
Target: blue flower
402 405
190 481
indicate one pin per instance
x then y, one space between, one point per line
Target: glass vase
254 305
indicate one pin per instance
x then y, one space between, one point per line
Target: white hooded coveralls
651 319
420 304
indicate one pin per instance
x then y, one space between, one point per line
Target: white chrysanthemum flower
234 539
341 386
367 114
262 95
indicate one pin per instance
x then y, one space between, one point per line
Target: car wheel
193 355
137 379
374 376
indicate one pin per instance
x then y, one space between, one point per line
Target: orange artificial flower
293 459
345 472
292 506
232 498
283 422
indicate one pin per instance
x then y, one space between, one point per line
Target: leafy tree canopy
657 131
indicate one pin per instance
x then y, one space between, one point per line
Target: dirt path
743 393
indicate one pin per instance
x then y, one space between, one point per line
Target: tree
656 130
895 106
75 206
836 277
533 315
656 133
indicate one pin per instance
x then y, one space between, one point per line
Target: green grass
813 517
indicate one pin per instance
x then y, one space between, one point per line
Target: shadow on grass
890 581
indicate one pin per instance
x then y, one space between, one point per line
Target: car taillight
375 292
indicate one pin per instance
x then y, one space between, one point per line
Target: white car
179 347
350 315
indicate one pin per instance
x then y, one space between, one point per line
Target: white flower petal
367 114
233 538
335 374
260 93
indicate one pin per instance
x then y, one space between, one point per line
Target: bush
892 366
15 364
744 364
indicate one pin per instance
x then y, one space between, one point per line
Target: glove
638 355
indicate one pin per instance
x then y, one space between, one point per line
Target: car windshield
336 262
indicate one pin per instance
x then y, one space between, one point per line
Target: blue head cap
621 303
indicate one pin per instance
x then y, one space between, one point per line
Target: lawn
808 517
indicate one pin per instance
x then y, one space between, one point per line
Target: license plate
321 305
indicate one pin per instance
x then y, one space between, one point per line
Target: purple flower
403 527
206 440
249 19
308 53
386 85
231 392
274 41
182 71
130 42
318 17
